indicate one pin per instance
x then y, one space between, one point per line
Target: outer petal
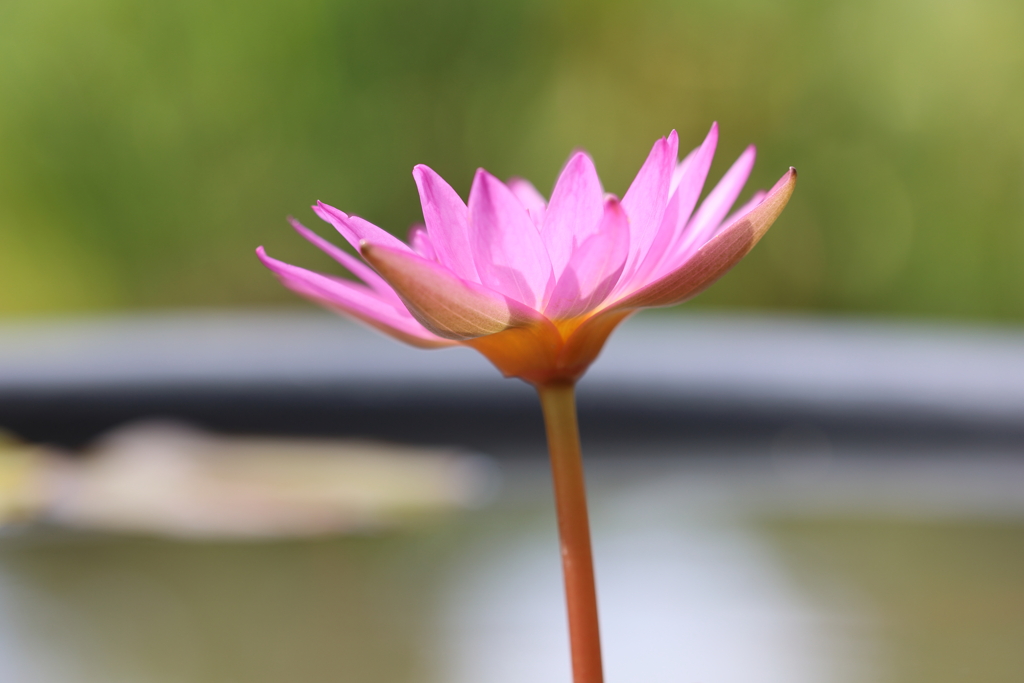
585 343
575 210
716 257
688 179
510 256
595 266
358 268
693 172
756 199
354 300
355 229
444 303
716 205
531 200
447 222
647 197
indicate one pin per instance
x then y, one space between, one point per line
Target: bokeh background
147 148
821 483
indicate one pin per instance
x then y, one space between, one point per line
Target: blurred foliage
941 599
147 148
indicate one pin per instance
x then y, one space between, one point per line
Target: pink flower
538 286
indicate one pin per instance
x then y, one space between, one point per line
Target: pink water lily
538 286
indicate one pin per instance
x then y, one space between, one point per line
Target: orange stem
558 401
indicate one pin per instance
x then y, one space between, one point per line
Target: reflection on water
680 602
711 571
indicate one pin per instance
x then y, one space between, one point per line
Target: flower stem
558 401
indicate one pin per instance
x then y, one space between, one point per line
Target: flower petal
715 257
354 300
756 199
594 268
531 200
447 222
355 229
420 242
444 303
716 205
575 210
692 176
511 257
647 197
358 268
687 181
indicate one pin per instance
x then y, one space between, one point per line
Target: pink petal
647 197
510 255
358 268
444 303
688 181
419 240
716 205
355 229
447 222
716 256
575 210
595 266
352 299
743 210
531 200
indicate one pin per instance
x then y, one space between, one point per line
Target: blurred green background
147 148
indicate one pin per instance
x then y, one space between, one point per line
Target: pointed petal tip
579 156
324 210
718 255
788 178
324 206
419 170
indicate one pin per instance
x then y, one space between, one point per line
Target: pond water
711 569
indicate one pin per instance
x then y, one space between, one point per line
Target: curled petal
531 200
442 302
353 299
717 256
575 210
447 220
511 257
595 266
